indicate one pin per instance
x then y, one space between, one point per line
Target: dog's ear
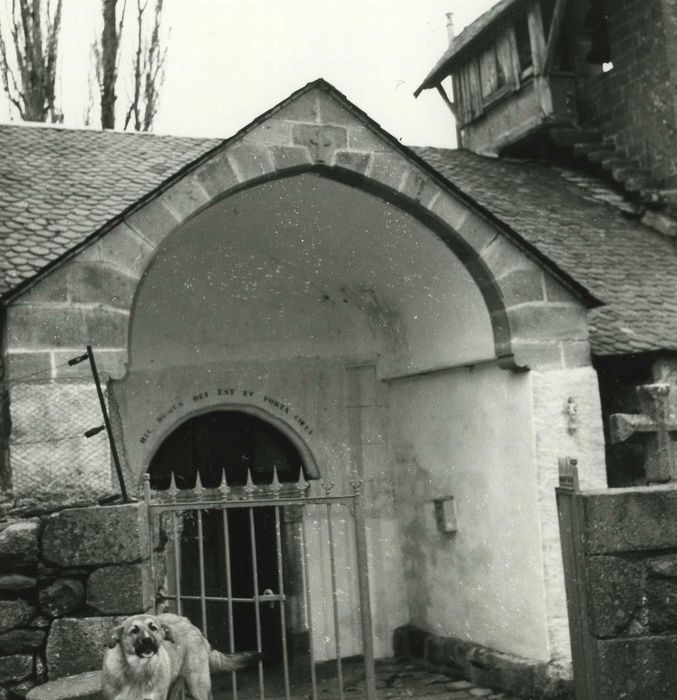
114 636
168 633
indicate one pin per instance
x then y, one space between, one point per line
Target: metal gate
174 512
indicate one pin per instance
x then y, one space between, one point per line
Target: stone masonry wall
630 544
635 102
65 581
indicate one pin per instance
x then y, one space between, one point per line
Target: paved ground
395 680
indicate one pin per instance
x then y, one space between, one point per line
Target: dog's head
140 635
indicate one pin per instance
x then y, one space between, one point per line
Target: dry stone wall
66 579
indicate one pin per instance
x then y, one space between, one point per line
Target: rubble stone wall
66 579
630 544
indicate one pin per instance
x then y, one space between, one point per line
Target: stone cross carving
321 141
322 144
657 423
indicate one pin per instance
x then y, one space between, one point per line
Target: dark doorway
235 443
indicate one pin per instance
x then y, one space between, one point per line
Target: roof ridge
95 130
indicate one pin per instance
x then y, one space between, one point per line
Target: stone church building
447 323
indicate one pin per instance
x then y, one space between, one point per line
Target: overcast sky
231 60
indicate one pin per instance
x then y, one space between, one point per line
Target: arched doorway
235 443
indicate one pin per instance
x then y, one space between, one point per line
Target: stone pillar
67 579
567 422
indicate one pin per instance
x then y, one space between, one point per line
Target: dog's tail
223 663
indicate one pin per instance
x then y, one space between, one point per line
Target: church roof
591 233
59 186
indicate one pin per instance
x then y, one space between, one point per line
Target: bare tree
29 77
106 59
149 62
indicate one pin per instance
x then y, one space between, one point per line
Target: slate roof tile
588 230
58 186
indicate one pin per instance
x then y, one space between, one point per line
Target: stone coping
83 686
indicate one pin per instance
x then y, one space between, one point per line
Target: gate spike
199 488
302 485
172 490
250 488
327 485
223 487
275 486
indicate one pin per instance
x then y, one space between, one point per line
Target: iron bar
229 594
334 594
220 599
305 568
177 562
281 595
109 429
257 605
220 504
363 586
201 554
146 500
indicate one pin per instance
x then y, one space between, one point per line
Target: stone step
83 686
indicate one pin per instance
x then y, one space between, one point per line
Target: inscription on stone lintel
270 401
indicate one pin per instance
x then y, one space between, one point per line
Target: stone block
661 603
303 109
362 138
420 187
503 256
21 640
273 132
357 162
125 249
615 594
52 288
333 112
522 286
121 590
389 169
56 326
186 196
153 221
637 668
556 292
320 141
548 322
66 472
51 411
633 519
14 613
16 667
541 356
216 175
76 645
109 363
82 686
61 597
576 353
37 364
101 283
19 544
289 157
17 582
250 162
454 212
96 536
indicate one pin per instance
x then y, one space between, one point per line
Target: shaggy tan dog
151 657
